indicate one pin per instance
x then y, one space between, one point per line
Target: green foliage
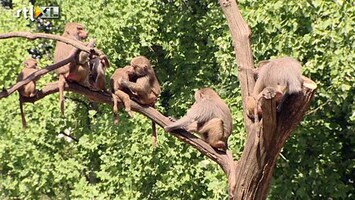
190 46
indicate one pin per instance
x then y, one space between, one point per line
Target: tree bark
265 137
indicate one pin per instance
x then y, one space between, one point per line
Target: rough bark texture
265 137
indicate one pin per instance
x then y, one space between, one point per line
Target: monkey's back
120 73
283 71
61 52
213 108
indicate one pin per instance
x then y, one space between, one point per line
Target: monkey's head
76 30
141 66
31 63
205 93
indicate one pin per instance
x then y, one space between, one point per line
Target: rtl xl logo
50 12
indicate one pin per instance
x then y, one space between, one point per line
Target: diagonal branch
225 160
33 36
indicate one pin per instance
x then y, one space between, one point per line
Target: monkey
28 90
118 91
210 117
97 78
284 75
145 85
77 70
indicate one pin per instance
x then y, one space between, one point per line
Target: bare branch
225 160
33 36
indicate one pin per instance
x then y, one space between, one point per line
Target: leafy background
189 43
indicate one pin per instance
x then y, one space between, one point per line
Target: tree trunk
265 137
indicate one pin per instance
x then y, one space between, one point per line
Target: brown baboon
77 70
28 90
145 85
209 116
284 75
120 92
98 67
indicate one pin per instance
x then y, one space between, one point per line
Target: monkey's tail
61 85
155 139
24 123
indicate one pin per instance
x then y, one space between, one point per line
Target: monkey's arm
83 58
141 86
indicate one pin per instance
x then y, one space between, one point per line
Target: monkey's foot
116 121
220 145
130 113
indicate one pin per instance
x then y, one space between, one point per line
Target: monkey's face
31 64
76 30
104 61
81 33
140 70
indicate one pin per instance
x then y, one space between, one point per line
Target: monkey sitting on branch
77 70
210 117
98 66
119 92
143 84
28 90
283 75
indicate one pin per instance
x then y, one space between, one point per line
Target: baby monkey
284 75
118 91
28 90
209 116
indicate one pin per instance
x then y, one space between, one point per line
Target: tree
260 176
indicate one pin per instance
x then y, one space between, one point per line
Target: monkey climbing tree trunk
265 137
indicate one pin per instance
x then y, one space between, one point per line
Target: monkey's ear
200 95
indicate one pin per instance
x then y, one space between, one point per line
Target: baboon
28 90
209 116
284 75
98 66
119 91
144 86
77 70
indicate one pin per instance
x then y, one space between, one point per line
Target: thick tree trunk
266 137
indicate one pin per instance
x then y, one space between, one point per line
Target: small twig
70 136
